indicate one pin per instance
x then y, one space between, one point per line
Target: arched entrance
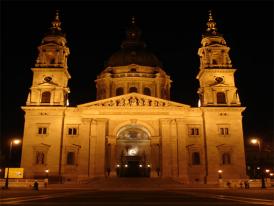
133 152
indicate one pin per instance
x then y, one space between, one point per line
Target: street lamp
16 142
258 141
47 173
46 181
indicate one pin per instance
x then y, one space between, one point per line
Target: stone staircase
139 184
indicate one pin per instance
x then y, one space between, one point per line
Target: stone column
112 155
155 156
92 150
165 147
182 153
100 147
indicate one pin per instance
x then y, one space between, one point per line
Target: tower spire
56 23
211 24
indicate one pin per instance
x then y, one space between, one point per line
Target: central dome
133 51
129 56
133 69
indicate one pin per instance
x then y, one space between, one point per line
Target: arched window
196 158
147 91
71 158
221 98
119 91
52 61
214 61
45 97
226 160
132 89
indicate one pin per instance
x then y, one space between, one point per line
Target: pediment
133 100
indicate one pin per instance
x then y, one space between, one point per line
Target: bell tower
50 74
216 75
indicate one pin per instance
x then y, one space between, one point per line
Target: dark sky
172 30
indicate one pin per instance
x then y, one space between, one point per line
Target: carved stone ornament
134 100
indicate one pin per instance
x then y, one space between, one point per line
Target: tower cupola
50 74
216 76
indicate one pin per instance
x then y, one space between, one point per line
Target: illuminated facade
133 129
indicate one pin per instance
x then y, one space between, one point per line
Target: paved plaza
136 191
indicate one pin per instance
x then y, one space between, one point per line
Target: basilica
133 129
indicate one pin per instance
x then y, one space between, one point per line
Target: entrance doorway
133 167
133 152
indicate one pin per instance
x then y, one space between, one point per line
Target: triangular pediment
133 100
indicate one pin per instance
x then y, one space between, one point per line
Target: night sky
172 30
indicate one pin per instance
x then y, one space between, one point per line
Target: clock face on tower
47 79
219 79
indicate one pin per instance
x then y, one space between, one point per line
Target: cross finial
211 24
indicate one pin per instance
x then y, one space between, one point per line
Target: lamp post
16 142
257 141
220 173
46 180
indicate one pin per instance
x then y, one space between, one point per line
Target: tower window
193 131
71 158
224 131
45 97
221 98
147 91
214 61
40 158
196 158
72 131
226 160
42 130
132 89
119 91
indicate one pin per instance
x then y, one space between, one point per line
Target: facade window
226 160
119 91
71 158
42 130
147 91
224 131
72 131
40 158
45 97
132 89
193 131
221 98
196 158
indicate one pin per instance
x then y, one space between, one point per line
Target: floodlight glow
16 141
254 141
220 171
